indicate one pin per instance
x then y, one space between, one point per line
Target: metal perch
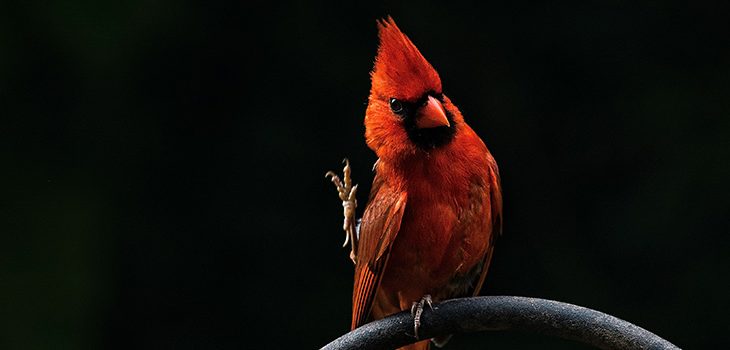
496 313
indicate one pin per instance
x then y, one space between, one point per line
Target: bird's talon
347 240
417 311
347 194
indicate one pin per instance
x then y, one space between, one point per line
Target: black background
163 162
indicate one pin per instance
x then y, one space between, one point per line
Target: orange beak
431 115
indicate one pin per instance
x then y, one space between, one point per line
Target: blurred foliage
163 164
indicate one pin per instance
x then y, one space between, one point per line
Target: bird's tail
421 345
440 342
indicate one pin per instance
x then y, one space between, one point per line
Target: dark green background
162 164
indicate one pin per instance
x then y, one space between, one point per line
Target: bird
435 206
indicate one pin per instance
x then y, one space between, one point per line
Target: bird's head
407 111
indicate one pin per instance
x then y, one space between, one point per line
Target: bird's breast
432 245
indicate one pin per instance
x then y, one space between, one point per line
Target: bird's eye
396 106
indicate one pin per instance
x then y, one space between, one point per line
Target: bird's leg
349 203
417 310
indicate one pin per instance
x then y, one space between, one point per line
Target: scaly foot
349 203
417 310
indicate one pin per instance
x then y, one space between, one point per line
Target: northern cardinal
428 230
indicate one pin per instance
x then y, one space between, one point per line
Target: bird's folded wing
380 225
494 204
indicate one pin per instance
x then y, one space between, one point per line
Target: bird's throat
431 138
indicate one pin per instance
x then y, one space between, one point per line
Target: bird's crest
400 70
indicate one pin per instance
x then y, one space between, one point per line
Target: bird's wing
380 225
494 199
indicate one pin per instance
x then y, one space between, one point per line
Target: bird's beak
431 115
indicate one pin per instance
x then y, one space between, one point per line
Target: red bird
428 230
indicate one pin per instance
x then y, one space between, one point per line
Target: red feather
434 210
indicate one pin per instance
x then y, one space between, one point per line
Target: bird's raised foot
417 310
346 192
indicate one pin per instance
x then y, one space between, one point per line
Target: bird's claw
417 310
346 192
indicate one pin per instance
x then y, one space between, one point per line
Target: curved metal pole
495 313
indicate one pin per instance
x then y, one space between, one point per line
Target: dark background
163 161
